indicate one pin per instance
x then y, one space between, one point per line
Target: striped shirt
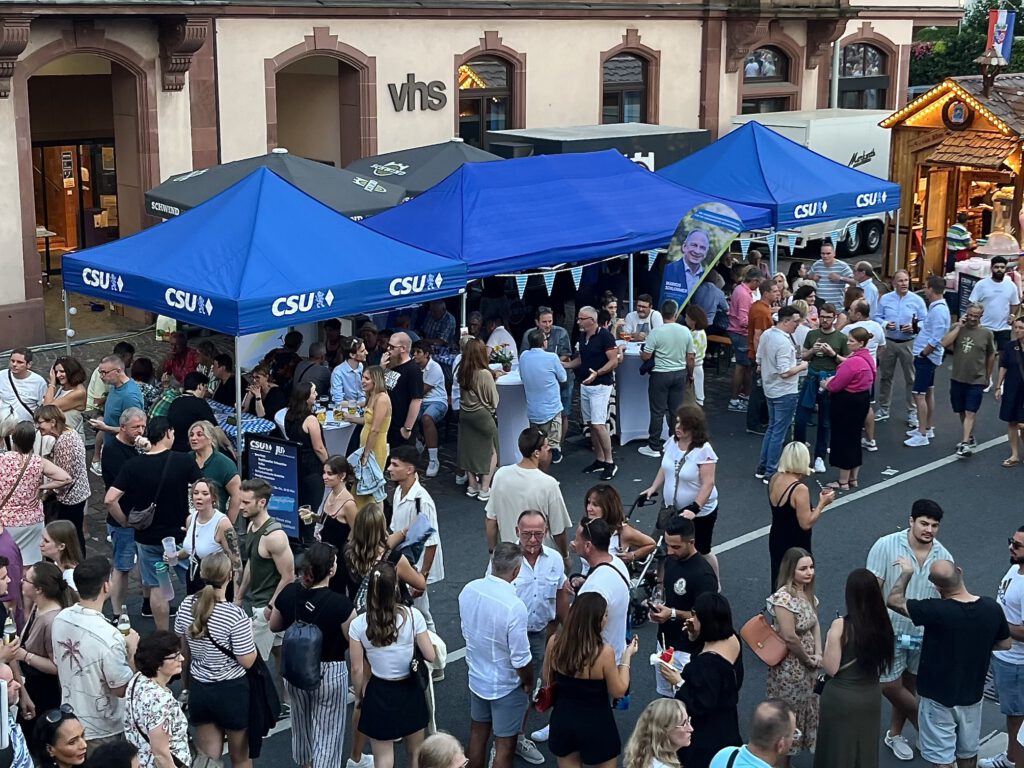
231 627
884 553
828 290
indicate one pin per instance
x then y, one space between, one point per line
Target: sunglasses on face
1015 544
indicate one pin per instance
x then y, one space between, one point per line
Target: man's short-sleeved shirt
971 350
670 343
1010 597
828 290
119 399
996 299
434 377
958 640
405 384
594 355
884 552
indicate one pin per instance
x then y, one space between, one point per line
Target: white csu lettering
805 210
181 299
98 279
402 286
868 199
289 305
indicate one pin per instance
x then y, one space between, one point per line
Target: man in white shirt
494 623
435 401
522 486
95 662
21 389
1007 666
1001 300
409 501
864 274
860 317
644 319
498 336
607 576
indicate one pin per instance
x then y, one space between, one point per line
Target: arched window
624 89
768 84
863 77
485 98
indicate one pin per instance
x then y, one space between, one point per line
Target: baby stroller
644 573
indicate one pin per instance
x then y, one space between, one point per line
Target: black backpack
300 650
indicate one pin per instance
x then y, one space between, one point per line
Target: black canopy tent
420 168
347 193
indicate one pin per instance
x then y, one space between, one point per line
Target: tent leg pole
465 296
897 259
632 300
238 408
67 323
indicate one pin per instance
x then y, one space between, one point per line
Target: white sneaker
461 479
542 734
868 445
433 467
819 466
527 750
912 419
646 450
899 747
988 388
366 761
1001 760
916 440
930 434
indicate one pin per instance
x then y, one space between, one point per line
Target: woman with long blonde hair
219 639
583 668
661 731
375 421
383 643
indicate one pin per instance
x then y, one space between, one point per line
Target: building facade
99 101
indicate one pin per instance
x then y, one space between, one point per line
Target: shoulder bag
17 481
764 641
10 418
141 519
264 700
670 511
823 677
418 666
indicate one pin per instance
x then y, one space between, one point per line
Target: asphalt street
981 499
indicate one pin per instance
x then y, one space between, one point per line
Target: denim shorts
740 349
1010 686
149 556
965 397
123 541
505 714
435 409
924 375
947 734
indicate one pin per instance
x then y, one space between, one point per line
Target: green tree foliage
941 52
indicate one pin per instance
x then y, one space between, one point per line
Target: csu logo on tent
301 302
389 169
403 286
369 184
807 210
190 302
870 198
97 278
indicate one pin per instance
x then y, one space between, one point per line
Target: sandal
837 486
853 484
1011 462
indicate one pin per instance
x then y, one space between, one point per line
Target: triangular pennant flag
549 280
577 275
744 246
773 246
652 256
521 283
851 229
792 242
835 237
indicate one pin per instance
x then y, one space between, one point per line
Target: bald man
404 380
957 625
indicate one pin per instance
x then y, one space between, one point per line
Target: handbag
418 667
764 641
141 519
665 514
546 696
824 677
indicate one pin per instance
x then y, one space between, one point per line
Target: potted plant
501 354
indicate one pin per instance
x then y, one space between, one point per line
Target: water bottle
909 642
124 626
163 578
10 631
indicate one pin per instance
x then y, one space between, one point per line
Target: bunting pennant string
792 243
652 256
835 237
577 275
851 229
549 281
744 246
521 284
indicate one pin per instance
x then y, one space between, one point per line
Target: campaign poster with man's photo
703 235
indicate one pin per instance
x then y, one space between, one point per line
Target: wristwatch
674 615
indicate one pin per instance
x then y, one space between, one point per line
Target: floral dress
148 706
791 681
23 506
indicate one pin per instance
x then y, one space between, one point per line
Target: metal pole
68 333
896 262
465 294
632 299
833 98
238 408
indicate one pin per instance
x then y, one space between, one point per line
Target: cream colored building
100 101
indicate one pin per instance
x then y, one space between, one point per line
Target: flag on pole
521 283
549 281
577 275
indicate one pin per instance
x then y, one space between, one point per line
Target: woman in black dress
710 684
335 517
792 515
1010 389
582 667
302 427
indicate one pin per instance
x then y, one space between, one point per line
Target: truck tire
870 236
849 245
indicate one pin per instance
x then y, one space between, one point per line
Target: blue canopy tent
258 256
754 165
538 211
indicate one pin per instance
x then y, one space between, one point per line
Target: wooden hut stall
955 148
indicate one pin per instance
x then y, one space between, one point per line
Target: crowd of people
272 626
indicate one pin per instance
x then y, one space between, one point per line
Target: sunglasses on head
64 712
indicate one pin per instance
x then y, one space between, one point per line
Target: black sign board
963 291
277 462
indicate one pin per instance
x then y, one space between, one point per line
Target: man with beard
920 547
404 380
974 357
1001 300
1008 666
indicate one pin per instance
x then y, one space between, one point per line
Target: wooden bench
717 346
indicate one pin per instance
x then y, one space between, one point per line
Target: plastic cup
170 545
306 513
